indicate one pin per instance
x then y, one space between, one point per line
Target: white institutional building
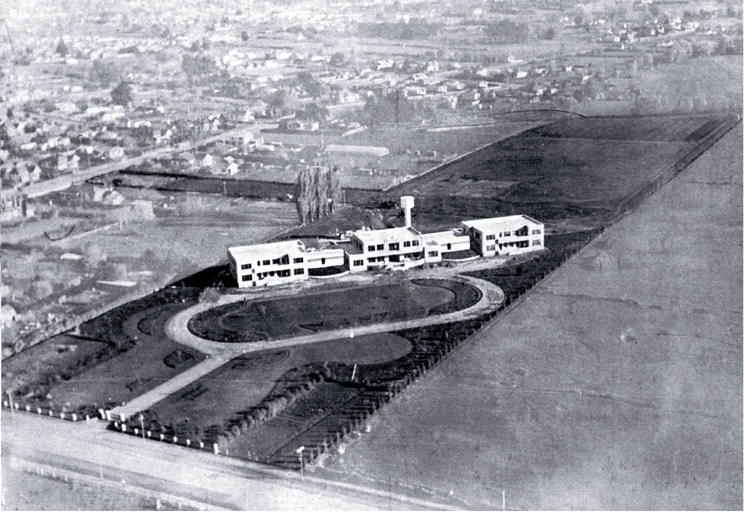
404 247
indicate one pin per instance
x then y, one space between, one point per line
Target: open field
571 171
615 385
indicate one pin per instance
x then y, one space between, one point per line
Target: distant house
300 125
224 167
240 139
207 161
13 205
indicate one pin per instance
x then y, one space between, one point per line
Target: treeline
317 193
508 32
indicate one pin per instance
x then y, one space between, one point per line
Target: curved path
219 353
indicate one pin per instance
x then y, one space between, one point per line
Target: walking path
219 353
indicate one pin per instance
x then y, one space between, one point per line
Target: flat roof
386 235
273 248
499 221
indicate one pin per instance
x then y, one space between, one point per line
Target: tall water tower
406 202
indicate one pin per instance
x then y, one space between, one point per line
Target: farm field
571 170
617 383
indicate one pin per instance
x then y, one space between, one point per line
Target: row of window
394 246
277 273
522 244
284 260
520 232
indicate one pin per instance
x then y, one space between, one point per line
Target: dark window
535 231
299 271
407 244
536 242
272 273
358 263
322 261
490 248
276 261
380 247
297 260
507 233
371 248
523 231
285 259
394 247
433 254
490 237
267 262
245 266
415 243
248 278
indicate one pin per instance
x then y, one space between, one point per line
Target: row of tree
317 193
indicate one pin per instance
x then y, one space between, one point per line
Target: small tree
62 48
122 94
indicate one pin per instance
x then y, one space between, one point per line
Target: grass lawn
153 360
272 319
233 390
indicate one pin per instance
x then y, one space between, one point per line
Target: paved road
220 353
63 182
201 479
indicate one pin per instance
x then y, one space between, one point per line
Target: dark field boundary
228 186
632 202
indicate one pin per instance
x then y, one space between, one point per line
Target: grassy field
278 318
571 170
213 403
615 385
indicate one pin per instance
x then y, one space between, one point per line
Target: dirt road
201 479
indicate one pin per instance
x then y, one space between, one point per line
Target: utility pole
300 451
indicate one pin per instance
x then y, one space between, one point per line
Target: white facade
278 263
403 247
515 234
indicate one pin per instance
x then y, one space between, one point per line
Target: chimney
406 202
